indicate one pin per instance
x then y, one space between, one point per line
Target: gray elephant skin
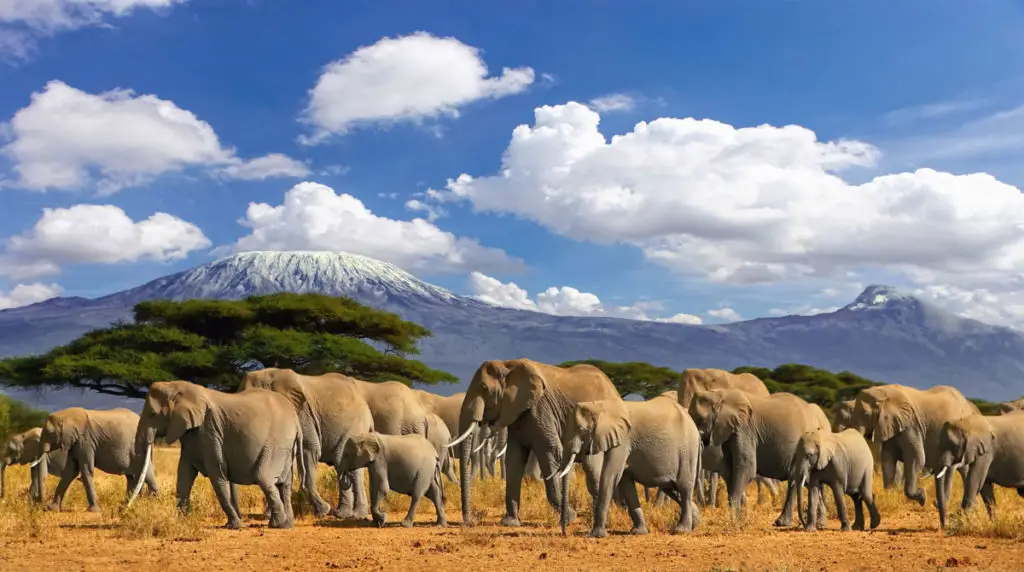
907 423
443 410
407 464
991 448
247 438
93 439
21 449
654 443
758 436
331 412
534 401
844 462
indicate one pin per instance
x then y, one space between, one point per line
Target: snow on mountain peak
877 296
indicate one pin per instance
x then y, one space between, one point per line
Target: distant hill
883 335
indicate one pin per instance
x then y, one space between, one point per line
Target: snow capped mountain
884 334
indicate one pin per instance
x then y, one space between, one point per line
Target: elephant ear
826 450
371 448
524 386
730 415
70 426
895 414
978 439
187 410
611 425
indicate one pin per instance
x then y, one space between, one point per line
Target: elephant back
579 383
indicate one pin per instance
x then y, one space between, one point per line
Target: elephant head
61 431
881 413
360 451
499 393
693 380
843 417
963 441
283 381
13 453
172 409
814 451
719 414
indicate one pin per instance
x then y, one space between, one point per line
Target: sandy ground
154 539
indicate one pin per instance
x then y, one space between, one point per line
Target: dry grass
120 536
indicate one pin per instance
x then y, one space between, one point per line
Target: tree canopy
635 377
214 342
16 417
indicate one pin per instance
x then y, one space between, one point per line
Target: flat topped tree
214 342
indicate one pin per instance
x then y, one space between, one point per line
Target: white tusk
803 481
480 446
941 473
142 476
568 466
37 461
463 436
502 451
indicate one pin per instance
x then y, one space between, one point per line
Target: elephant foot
380 519
783 522
406 523
845 527
321 509
233 524
94 508
682 529
52 507
285 523
875 521
638 530
509 520
348 514
442 523
917 496
598 533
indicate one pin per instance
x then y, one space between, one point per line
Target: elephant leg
858 511
435 496
186 478
627 490
238 507
278 514
222 487
90 487
786 517
66 477
988 496
973 484
687 508
320 506
838 492
611 474
888 457
379 489
36 482
911 469
285 490
410 517
713 488
516 455
592 468
352 500
820 507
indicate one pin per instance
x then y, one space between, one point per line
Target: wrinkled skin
533 400
247 438
330 413
844 462
653 443
500 438
693 380
991 449
406 464
22 449
92 439
907 422
758 436
842 419
447 409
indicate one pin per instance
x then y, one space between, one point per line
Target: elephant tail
299 457
697 484
438 481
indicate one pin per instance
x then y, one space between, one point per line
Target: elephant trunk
38 479
563 513
800 503
940 495
465 473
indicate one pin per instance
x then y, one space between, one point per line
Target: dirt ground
150 537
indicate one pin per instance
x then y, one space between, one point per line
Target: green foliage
815 385
16 417
213 343
635 377
986 407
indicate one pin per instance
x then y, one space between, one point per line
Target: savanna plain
151 536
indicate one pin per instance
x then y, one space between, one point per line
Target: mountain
884 334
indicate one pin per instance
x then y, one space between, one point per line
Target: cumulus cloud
25 294
563 301
613 102
27 20
315 217
68 139
97 234
725 314
747 205
406 78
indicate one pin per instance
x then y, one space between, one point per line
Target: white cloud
314 217
563 301
67 139
25 294
406 78
30 19
613 102
97 234
433 211
753 205
726 314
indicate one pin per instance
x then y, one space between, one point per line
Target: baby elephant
843 461
408 464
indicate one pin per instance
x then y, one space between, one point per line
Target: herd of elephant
538 420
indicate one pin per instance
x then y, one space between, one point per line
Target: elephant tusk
142 476
502 451
463 436
941 473
803 481
568 466
480 446
37 461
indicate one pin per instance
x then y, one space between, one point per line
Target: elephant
693 380
247 438
654 443
21 449
407 464
1011 406
842 419
758 436
992 450
533 401
330 413
497 452
447 409
844 462
907 422
93 439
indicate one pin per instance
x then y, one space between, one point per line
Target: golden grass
157 517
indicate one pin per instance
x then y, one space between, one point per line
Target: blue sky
703 221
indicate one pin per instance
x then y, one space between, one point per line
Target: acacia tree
214 342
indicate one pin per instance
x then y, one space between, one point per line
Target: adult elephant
496 456
533 401
1011 406
93 439
330 412
758 436
446 409
907 423
693 380
22 449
